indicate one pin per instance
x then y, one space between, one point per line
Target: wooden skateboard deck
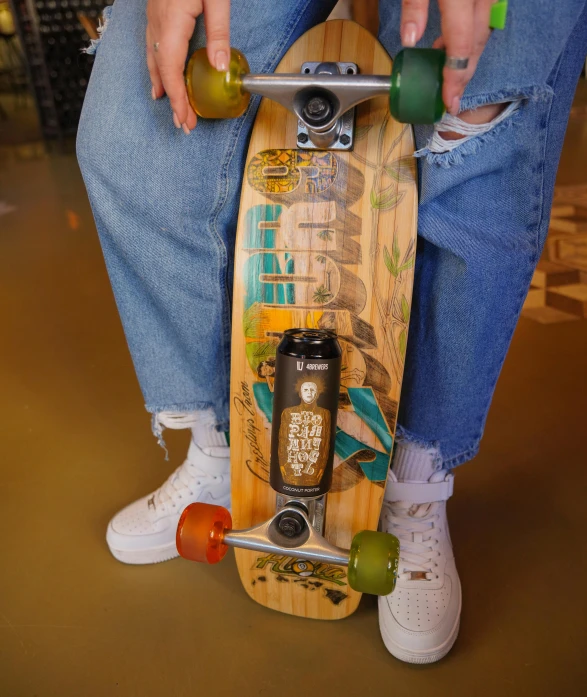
325 239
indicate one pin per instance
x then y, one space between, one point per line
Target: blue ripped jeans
166 205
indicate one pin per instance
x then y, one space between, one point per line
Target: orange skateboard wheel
200 533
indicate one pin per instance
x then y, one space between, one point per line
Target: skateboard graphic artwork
323 276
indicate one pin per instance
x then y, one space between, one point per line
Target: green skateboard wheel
215 94
416 86
373 562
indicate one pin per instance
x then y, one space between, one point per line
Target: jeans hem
186 407
403 435
461 458
157 427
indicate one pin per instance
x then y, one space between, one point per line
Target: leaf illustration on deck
398 308
405 309
361 131
386 200
325 235
322 295
390 174
403 340
253 320
391 267
407 265
402 169
395 250
321 259
392 260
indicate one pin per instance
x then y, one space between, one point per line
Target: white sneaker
419 621
144 532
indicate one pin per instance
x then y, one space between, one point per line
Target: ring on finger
156 47
455 63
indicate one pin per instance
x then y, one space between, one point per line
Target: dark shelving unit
53 40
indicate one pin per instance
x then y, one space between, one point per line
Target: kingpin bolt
317 106
291 524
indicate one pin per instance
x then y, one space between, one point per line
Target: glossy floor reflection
76 446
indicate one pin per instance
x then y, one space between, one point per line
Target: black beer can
305 404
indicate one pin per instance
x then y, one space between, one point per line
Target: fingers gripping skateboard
414 87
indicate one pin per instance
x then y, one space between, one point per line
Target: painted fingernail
185 128
409 34
153 93
221 60
455 105
176 121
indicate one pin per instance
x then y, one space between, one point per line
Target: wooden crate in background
559 286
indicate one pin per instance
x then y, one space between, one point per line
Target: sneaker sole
431 656
145 556
152 555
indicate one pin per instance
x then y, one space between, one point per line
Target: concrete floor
76 446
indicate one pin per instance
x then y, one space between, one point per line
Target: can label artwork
304 424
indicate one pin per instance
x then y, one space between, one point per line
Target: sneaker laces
415 525
183 481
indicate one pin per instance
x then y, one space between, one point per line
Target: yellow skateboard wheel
373 563
216 94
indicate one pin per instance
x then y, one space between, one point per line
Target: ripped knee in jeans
452 133
470 123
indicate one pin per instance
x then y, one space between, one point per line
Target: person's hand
465 30
170 25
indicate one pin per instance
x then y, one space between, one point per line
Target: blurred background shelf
46 44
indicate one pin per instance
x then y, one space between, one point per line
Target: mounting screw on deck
345 139
303 138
